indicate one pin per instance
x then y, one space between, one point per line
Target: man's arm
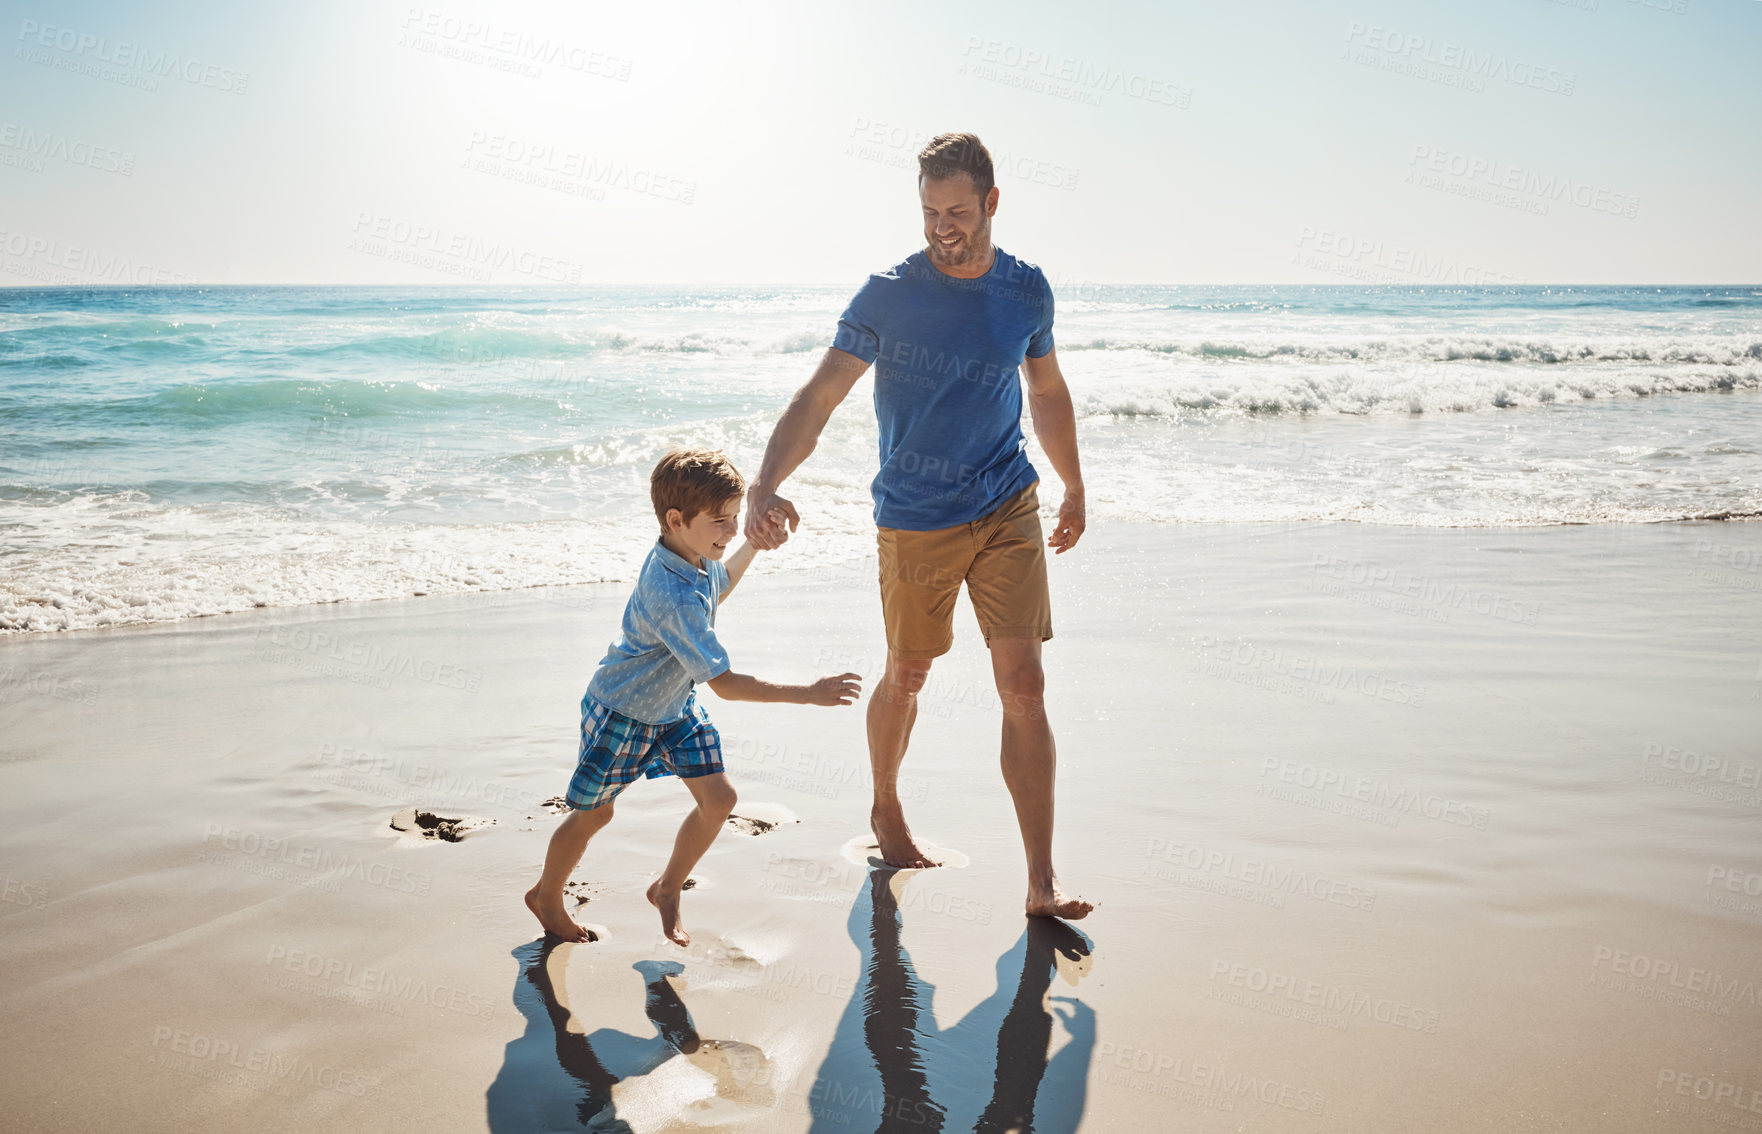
1055 424
793 439
839 689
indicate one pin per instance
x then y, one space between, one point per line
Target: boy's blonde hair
693 481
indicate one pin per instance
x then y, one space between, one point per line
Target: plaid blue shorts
616 750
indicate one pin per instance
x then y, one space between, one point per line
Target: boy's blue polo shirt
948 394
668 642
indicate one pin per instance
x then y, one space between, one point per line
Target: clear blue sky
764 143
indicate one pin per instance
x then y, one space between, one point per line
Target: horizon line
454 286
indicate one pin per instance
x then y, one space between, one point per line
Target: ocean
167 453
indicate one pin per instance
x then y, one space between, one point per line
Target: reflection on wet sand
528 1093
933 1079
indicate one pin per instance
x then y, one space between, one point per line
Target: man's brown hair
693 481
949 154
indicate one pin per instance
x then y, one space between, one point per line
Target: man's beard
961 253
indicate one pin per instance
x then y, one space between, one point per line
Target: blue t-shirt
948 393
668 642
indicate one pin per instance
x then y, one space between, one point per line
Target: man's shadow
890 1068
556 1075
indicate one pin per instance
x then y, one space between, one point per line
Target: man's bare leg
568 843
715 802
1029 761
893 707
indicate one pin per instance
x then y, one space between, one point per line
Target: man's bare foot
898 848
1054 903
556 919
667 901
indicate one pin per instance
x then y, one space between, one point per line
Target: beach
1387 377
1389 382
1393 828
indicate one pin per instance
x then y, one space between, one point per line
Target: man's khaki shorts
1002 558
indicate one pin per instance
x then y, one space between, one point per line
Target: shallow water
174 452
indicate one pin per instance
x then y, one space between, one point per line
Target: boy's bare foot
556 919
1054 903
667 901
898 848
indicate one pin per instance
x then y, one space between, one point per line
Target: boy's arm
737 565
687 632
840 689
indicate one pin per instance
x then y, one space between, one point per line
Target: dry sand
1393 830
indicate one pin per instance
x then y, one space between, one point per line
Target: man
947 330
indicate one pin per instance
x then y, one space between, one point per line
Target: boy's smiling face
707 535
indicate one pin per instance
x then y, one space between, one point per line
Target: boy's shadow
530 1094
932 1079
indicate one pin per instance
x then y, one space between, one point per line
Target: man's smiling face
957 223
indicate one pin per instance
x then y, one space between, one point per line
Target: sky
751 143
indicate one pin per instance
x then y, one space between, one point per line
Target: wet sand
1392 829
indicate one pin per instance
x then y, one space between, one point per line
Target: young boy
640 715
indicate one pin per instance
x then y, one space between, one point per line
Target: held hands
841 689
1071 522
769 519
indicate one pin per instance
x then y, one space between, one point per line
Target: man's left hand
1069 528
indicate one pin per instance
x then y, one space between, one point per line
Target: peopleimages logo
506 48
370 980
1209 1082
1703 767
1362 796
37 145
120 60
552 167
1319 672
457 253
314 859
1671 980
1064 76
1338 1005
1551 187
55 261
1401 50
364 660
1374 261
230 1058
1712 1089
1401 583
1257 872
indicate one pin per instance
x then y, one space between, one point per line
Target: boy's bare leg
568 842
893 708
715 802
1029 761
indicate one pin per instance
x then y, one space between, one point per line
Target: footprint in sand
741 1071
426 824
738 1067
582 892
711 949
585 892
865 851
762 818
595 933
493 898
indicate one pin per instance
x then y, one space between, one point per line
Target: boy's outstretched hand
842 689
